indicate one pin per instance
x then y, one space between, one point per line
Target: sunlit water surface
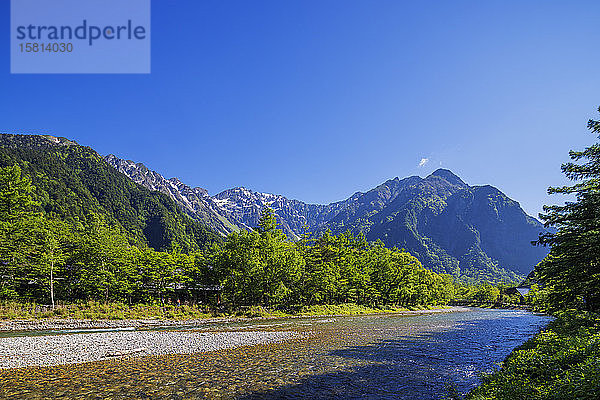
361 357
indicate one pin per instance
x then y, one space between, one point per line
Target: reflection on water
366 357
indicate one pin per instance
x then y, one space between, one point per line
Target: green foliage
258 268
18 219
487 294
52 257
263 268
72 182
537 298
351 309
101 310
571 272
43 258
501 295
16 195
562 362
267 221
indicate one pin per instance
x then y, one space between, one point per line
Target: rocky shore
61 324
46 350
26 343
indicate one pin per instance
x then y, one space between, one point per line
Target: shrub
562 362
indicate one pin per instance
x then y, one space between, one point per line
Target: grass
496 305
327 309
356 309
97 310
118 311
562 362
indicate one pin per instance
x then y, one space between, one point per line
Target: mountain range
472 232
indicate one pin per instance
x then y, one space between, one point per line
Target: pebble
27 351
56 324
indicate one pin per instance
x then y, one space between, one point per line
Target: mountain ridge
472 232
438 218
75 183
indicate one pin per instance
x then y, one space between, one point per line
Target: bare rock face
194 201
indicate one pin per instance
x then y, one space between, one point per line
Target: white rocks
25 351
56 324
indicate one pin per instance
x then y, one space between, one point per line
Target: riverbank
494 305
94 310
322 311
134 338
28 351
561 362
370 356
115 311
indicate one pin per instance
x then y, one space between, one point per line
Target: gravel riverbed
26 343
27 351
60 324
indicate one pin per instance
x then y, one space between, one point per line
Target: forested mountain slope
472 231
71 181
193 201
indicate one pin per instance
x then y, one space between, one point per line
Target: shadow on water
357 357
415 368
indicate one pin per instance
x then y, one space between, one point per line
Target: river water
357 357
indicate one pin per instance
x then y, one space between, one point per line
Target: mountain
193 201
475 232
472 231
72 180
294 216
230 210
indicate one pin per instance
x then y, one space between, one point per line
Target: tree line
46 259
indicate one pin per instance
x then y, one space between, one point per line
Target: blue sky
316 100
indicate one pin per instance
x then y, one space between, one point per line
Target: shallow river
359 357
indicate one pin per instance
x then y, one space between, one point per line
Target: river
356 357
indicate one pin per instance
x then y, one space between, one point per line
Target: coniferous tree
572 269
267 221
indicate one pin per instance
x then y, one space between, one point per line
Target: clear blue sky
318 99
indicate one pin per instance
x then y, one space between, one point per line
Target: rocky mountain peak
448 176
196 202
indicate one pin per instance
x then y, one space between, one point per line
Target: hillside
195 202
71 181
470 231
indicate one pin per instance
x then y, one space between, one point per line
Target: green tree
323 275
572 269
487 293
16 195
54 237
19 216
267 221
260 267
104 260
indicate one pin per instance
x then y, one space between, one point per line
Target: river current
355 357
